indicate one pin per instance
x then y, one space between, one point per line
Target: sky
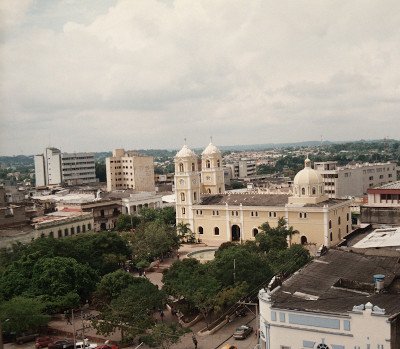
85 75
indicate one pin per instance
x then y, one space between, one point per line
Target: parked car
43 342
85 345
26 337
61 344
242 332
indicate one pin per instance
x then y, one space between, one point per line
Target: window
330 224
66 232
72 231
51 234
216 231
338 220
183 210
78 229
195 196
218 163
322 346
59 233
314 191
215 213
200 230
83 228
255 232
180 167
182 196
303 215
193 167
89 226
303 191
347 217
331 236
208 164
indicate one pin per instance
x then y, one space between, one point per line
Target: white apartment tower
48 167
130 170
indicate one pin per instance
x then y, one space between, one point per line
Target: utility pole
257 314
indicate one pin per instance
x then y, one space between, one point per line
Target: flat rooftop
392 185
340 280
384 237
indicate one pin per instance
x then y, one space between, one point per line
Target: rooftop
251 199
393 185
386 237
329 284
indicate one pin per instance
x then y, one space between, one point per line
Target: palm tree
184 232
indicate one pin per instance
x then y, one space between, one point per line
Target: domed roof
210 150
185 152
308 176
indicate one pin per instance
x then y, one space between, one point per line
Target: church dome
211 150
308 176
185 152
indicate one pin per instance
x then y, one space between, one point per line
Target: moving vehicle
61 344
242 332
42 342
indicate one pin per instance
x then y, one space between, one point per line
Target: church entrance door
235 233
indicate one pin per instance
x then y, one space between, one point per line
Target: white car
85 345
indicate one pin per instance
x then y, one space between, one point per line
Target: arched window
208 163
330 224
51 234
83 228
89 226
195 196
255 232
72 231
60 233
183 210
314 191
347 216
182 196
193 167
303 191
66 232
200 230
216 231
180 167
218 163
209 191
78 229
303 240
331 236
219 190
338 220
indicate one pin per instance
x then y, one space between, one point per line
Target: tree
239 264
270 238
193 281
163 335
111 285
58 276
184 232
101 173
22 315
127 222
131 311
228 296
286 262
153 240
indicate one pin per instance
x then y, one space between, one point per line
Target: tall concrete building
241 169
54 168
78 168
130 170
48 167
354 180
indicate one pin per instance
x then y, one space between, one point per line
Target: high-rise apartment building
354 180
130 170
54 168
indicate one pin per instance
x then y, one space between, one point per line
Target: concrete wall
12 215
380 215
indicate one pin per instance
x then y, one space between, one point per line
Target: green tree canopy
21 314
270 238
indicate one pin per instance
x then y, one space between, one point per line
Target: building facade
243 168
383 206
130 170
55 168
78 168
342 300
216 217
354 180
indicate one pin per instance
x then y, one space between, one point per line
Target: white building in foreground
342 300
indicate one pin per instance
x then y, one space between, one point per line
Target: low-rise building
341 300
63 223
136 201
383 206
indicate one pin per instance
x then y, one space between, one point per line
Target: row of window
234 213
71 231
183 196
119 161
181 167
200 230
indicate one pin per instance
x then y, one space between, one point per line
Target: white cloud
246 72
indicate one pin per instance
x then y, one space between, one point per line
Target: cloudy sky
93 75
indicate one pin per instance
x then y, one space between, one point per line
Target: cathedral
216 216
